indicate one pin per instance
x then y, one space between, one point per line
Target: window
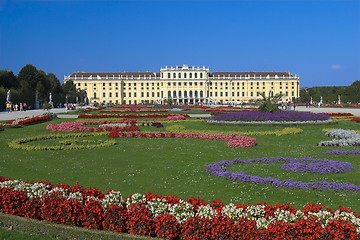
116 84
158 94
134 84
152 84
174 83
292 93
116 94
196 93
174 94
169 94
179 83
152 94
129 94
134 94
103 84
147 94
201 94
103 94
124 94
184 83
147 84
190 93
185 93
184 75
210 94
94 84
142 84
190 83
142 94
110 94
109 83
195 83
94 94
190 75
226 94
201 83
169 75
251 93
174 75
201 75
179 75
179 93
243 94
215 94
195 75
85 84
221 94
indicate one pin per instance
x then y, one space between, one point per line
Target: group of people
70 106
10 107
285 106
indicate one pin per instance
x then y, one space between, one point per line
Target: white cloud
336 66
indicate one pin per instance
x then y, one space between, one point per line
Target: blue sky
320 40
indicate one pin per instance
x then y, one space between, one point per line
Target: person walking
24 106
21 107
8 106
294 106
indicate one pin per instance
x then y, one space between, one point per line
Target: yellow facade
185 85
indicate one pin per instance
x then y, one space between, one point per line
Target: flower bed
241 141
171 217
131 111
127 115
70 142
357 119
338 114
125 125
283 116
285 131
29 120
342 152
321 166
347 138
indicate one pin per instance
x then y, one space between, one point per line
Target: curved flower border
233 140
220 169
19 143
171 217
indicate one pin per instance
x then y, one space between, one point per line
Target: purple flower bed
322 166
345 152
283 116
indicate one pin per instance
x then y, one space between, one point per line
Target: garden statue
36 100
321 100
8 96
339 101
311 100
50 100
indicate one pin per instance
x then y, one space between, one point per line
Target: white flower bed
347 138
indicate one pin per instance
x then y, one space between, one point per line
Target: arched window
179 93
168 75
201 93
94 94
184 75
195 93
179 75
174 94
174 75
190 93
190 75
195 75
169 94
201 75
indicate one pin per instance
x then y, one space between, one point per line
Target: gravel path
30 113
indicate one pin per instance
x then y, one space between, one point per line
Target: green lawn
178 166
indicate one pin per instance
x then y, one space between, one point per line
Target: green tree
29 74
8 80
269 104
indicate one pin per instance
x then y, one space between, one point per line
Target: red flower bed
338 114
131 111
28 120
134 217
357 119
126 115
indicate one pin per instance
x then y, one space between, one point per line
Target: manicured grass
178 166
14 235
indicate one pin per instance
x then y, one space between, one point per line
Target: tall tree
29 74
8 79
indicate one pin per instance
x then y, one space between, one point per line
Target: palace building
184 85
